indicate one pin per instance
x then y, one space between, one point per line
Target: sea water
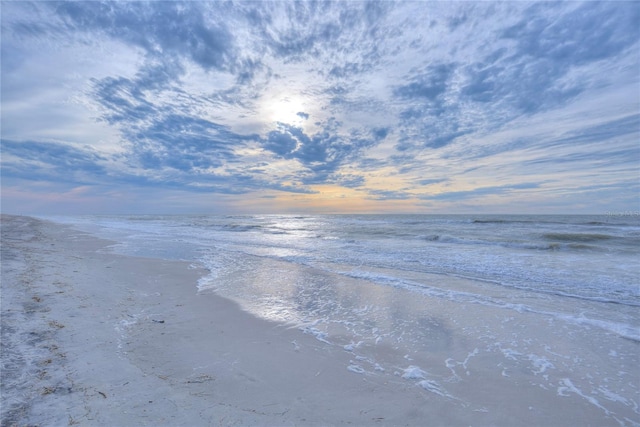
545 307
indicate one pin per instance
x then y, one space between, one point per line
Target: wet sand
92 338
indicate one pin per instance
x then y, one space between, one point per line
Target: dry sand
93 338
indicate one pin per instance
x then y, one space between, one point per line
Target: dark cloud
595 142
427 121
443 140
183 142
607 131
337 90
281 142
60 162
548 46
610 154
157 75
380 133
479 192
347 180
344 37
164 134
323 152
50 161
428 85
432 181
122 100
591 32
484 84
309 28
455 22
388 195
427 134
162 29
349 69
530 76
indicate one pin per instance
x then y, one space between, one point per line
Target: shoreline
91 337
116 340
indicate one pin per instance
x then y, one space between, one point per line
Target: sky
320 107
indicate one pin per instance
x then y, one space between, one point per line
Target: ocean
542 307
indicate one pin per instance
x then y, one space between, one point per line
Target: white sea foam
568 387
540 364
356 369
622 329
434 387
122 327
413 373
615 397
318 334
435 288
510 353
352 346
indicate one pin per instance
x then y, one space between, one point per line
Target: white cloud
377 97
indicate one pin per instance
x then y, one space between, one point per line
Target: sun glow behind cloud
284 107
320 106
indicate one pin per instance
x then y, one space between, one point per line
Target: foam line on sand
94 338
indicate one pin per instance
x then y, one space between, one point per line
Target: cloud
184 143
281 142
385 99
590 32
432 181
50 161
380 133
547 48
584 148
297 31
480 192
428 85
608 130
534 67
323 152
388 195
347 180
161 29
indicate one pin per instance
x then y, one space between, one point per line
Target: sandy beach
95 338
91 338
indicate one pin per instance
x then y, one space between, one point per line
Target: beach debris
102 394
49 390
56 324
203 378
157 321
